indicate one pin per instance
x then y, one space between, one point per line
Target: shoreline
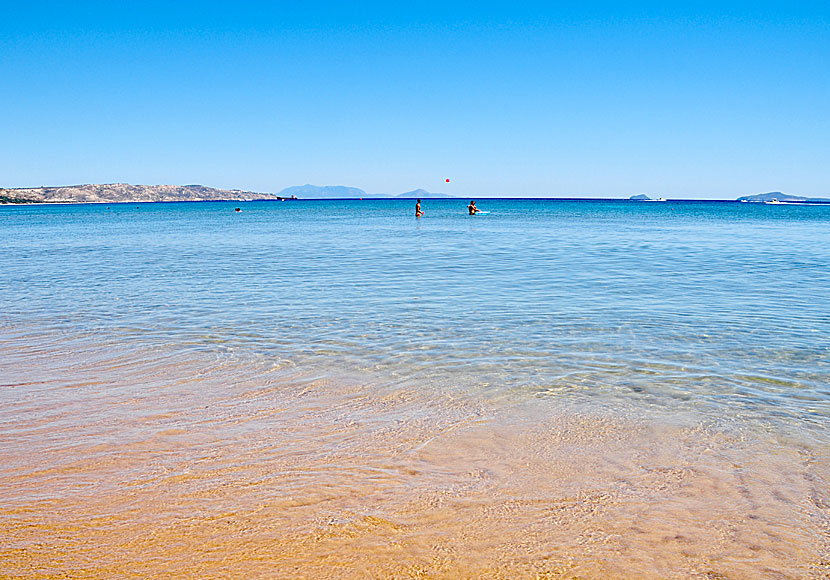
342 476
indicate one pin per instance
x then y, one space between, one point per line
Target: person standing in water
472 207
418 212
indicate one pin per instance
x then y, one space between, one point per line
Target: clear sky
589 99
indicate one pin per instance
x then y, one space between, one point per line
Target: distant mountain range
126 193
309 191
416 193
761 197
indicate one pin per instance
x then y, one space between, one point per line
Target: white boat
773 200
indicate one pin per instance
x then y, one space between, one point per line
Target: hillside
123 192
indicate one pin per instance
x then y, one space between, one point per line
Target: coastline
33 203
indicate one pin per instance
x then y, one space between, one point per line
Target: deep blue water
719 306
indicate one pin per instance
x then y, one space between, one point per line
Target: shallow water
335 389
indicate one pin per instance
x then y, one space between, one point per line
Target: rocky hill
123 192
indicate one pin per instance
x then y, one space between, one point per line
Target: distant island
644 197
423 193
783 197
309 191
126 193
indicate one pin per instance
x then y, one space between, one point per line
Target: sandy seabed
183 465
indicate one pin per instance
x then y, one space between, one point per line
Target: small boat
774 200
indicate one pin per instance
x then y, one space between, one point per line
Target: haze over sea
592 389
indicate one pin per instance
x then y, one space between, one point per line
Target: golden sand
181 467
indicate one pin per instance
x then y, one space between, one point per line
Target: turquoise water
719 302
338 389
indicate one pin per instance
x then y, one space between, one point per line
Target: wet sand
141 464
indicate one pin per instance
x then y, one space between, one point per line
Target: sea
338 389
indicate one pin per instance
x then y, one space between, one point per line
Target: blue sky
600 99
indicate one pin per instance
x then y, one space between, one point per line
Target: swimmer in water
472 207
418 212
